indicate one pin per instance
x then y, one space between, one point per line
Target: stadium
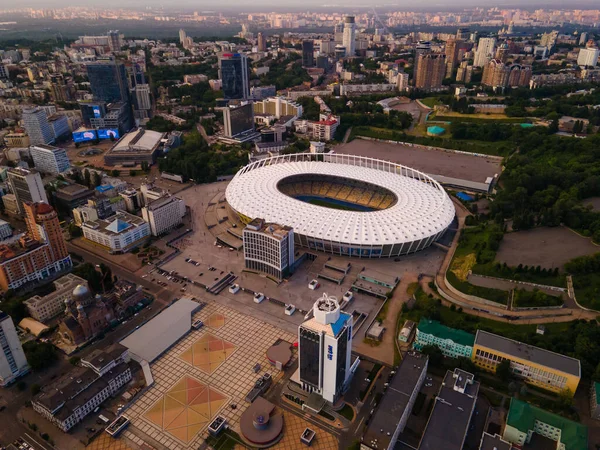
344 204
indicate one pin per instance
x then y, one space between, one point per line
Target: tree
87 178
35 389
74 230
40 355
503 370
132 173
436 357
145 166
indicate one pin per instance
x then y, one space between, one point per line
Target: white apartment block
13 362
119 233
49 159
51 305
268 248
485 51
588 57
164 214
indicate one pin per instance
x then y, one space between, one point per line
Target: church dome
80 291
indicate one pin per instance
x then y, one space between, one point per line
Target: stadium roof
530 353
422 210
523 417
163 331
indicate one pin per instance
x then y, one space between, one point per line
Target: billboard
107 133
84 136
96 110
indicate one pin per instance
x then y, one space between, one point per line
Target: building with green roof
453 343
525 421
595 401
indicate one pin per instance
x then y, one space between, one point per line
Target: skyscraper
233 71
261 42
115 41
485 51
452 46
308 51
27 186
422 48
35 121
349 38
182 36
108 81
431 72
13 362
325 345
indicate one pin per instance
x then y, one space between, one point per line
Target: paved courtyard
208 373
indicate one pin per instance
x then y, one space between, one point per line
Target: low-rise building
407 332
45 308
67 401
119 233
16 140
453 343
528 424
539 367
448 423
395 407
164 214
135 148
72 196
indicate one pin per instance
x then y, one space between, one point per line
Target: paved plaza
208 373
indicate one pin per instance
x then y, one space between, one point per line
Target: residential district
365 237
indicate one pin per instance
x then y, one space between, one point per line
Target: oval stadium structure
344 204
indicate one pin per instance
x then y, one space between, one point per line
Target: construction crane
378 19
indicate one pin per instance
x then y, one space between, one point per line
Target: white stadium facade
344 204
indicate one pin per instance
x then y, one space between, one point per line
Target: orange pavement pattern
186 408
216 321
105 442
208 353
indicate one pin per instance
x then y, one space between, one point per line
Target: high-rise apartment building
108 81
35 121
115 40
268 248
13 362
422 48
498 75
349 37
27 186
485 51
182 36
308 53
49 159
233 71
324 353
588 57
451 51
40 254
431 72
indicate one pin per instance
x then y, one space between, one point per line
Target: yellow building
536 366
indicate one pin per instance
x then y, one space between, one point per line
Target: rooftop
523 416
530 353
163 201
164 330
449 421
443 332
489 442
272 229
395 400
332 329
116 224
139 141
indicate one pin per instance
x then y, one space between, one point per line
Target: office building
60 126
431 71
108 119
453 343
142 98
133 200
238 123
233 72
68 400
41 253
324 353
588 57
269 248
539 367
308 53
349 37
528 426
49 159
261 42
395 407
27 186
117 234
35 122
13 362
134 148
115 40
449 421
108 81
49 306
486 50
164 214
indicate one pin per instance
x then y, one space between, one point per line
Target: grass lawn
333 205
430 101
587 290
535 298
